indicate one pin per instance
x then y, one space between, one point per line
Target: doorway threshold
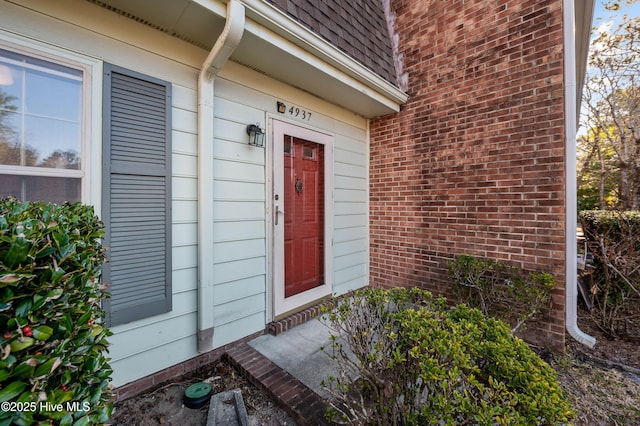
289 320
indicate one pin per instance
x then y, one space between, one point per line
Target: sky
603 18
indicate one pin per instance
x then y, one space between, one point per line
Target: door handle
278 211
299 186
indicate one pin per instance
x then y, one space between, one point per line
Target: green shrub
53 342
613 238
403 357
500 290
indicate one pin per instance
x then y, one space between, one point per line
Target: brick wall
474 162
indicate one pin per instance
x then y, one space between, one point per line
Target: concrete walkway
299 352
290 367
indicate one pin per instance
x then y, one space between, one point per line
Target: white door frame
279 129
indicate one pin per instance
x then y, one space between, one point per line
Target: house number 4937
299 113
294 111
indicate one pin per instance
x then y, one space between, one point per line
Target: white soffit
584 21
275 45
290 64
333 73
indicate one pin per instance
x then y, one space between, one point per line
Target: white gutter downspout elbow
571 206
220 53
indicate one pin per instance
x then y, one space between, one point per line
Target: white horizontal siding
351 247
184 210
184 121
348 221
229 251
349 170
352 273
227 332
239 230
184 166
184 98
227 313
185 256
235 112
238 199
238 190
234 211
230 291
345 261
234 170
154 359
350 234
154 333
349 195
182 326
185 280
237 150
184 234
240 171
347 156
350 182
238 269
185 143
187 187
351 208
239 250
351 211
146 346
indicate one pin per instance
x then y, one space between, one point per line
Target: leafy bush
613 237
53 342
404 358
500 290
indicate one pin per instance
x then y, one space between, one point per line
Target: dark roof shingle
357 27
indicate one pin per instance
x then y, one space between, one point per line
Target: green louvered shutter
136 194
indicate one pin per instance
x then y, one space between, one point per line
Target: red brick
132 389
474 161
293 390
168 373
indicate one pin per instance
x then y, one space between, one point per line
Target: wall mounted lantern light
256 135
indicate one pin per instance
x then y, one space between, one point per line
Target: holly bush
506 292
404 357
53 346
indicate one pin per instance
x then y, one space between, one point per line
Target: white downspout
220 53
571 207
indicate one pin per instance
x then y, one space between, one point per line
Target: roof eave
312 64
584 21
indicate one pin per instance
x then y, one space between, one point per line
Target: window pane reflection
40 188
40 113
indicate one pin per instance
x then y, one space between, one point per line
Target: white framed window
43 126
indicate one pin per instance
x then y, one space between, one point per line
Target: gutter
220 53
571 203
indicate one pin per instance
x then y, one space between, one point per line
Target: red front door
304 218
